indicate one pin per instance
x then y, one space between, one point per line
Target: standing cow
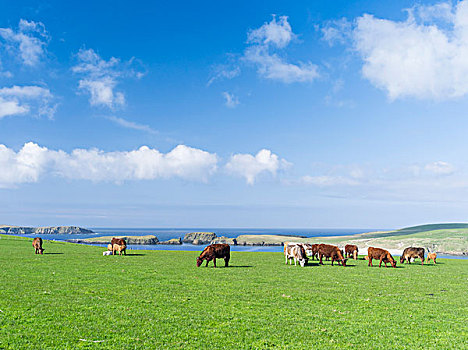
411 253
431 256
37 245
118 245
331 251
213 252
351 249
380 254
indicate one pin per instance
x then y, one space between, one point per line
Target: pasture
73 297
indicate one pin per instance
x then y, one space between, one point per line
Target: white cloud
425 57
231 100
224 71
29 41
100 78
440 168
250 167
33 162
23 99
275 33
132 125
338 31
264 41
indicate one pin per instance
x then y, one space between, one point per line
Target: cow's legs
207 261
214 262
380 265
320 255
226 261
370 262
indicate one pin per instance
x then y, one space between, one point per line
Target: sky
260 114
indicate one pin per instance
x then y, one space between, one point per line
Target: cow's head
302 262
343 262
199 261
402 259
392 261
41 250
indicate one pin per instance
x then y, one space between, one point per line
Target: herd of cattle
297 252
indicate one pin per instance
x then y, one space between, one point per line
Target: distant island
51 230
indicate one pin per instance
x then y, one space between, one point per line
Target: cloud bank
424 57
33 162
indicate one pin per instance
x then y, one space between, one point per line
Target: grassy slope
158 299
446 238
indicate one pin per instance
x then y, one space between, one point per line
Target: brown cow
351 249
315 251
431 256
331 251
380 254
213 252
118 245
37 245
411 253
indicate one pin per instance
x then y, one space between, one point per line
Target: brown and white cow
331 251
431 256
412 253
380 254
351 249
118 245
37 245
295 252
213 252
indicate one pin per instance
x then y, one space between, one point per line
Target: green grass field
73 297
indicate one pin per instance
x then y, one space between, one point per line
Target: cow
307 247
315 251
118 245
331 251
213 252
119 248
37 245
431 256
295 252
351 249
411 253
380 254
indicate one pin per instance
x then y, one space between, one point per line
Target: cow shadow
135 254
239 266
52 253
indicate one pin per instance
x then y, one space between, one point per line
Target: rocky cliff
199 237
53 230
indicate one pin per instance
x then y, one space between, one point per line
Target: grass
72 297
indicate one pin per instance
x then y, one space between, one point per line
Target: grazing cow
107 252
118 245
296 252
213 252
380 254
307 247
351 249
411 253
431 256
37 245
333 252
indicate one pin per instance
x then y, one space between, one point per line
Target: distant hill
67 230
416 229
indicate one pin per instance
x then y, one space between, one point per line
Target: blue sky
263 114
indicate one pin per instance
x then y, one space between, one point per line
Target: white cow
296 252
